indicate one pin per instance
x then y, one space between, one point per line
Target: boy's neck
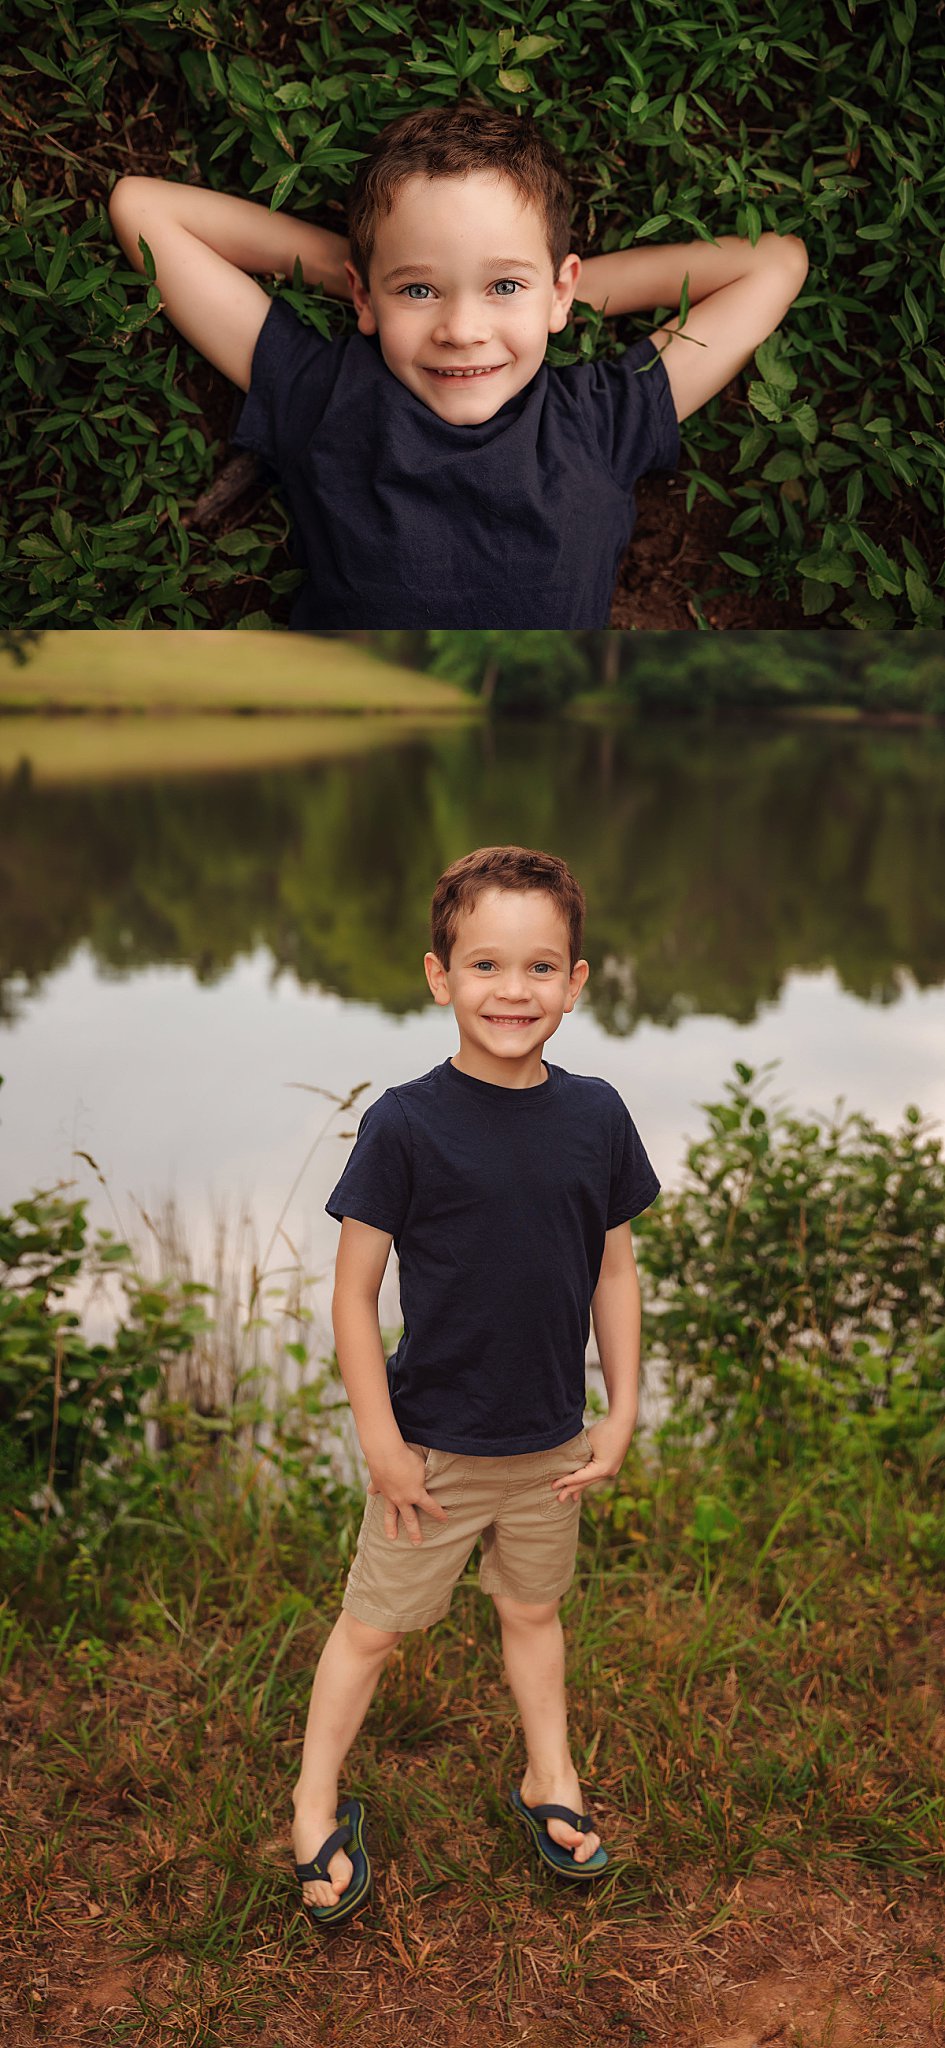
525 1073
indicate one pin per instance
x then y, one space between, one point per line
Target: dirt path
780 1959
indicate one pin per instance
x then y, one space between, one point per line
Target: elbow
790 256
123 220
796 258
116 196
125 197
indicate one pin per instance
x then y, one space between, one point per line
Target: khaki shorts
529 1537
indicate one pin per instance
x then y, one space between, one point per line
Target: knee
519 1612
369 1641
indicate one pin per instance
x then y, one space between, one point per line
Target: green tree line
866 671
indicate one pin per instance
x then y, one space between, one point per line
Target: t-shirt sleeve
633 1183
375 1186
628 410
288 387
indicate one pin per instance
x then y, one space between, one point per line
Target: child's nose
462 321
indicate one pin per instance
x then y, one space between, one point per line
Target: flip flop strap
318 1867
581 1821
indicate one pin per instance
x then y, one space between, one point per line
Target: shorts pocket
568 1457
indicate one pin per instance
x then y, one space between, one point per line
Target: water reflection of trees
714 862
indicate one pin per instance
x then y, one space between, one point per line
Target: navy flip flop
560 1860
350 1836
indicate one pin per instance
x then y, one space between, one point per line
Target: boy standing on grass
437 472
507 1186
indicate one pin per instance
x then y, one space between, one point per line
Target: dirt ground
778 1959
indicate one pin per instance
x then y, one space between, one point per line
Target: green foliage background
820 117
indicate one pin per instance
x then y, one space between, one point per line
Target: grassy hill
210 671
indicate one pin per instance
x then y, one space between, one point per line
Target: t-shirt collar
515 1098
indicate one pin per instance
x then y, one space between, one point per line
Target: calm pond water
181 955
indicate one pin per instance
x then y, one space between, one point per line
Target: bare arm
738 295
396 1472
616 1313
204 245
615 1309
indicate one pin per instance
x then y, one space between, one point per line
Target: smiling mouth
511 1020
488 371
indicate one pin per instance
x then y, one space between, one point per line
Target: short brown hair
503 867
443 142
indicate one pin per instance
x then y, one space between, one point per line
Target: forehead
441 216
528 917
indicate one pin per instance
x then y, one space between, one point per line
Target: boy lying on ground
436 470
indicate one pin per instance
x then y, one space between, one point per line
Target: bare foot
561 1791
311 1827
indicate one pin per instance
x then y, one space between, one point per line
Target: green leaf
773 365
58 264
740 563
531 47
816 597
868 611
514 81
918 317
46 65
679 110
786 463
805 420
829 566
764 402
927 609
284 187
245 84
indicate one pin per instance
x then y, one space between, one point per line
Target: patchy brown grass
148 1894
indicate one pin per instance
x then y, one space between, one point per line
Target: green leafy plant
826 122
799 1277
66 1402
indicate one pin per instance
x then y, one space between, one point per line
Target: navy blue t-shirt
401 518
498 1201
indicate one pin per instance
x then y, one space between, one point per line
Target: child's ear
436 977
367 323
564 290
579 974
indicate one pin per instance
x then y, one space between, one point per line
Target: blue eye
407 289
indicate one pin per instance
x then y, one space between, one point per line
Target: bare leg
345 1679
533 1648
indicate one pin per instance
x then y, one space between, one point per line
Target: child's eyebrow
488 263
492 953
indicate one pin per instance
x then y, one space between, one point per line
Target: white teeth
467 373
